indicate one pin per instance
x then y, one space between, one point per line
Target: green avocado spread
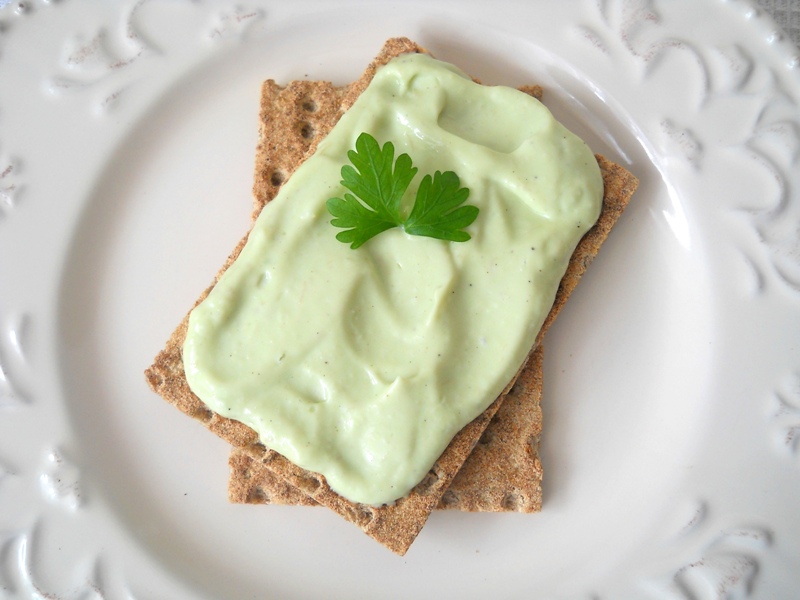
363 364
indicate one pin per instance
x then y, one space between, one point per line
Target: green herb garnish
380 182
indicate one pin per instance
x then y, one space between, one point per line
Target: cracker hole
449 498
512 502
365 515
307 130
257 495
487 437
277 178
359 514
156 379
308 484
427 482
310 105
203 414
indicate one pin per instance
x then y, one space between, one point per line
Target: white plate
672 384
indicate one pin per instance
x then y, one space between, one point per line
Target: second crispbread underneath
395 526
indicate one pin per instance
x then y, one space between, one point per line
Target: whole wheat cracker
397 525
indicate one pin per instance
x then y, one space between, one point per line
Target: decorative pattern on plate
16 569
232 23
102 61
726 565
627 24
728 568
682 143
695 514
728 73
14 563
60 481
9 186
785 417
17 577
773 145
774 148
13 362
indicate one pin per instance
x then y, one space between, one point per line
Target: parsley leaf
379 182
437 211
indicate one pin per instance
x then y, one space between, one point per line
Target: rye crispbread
395 526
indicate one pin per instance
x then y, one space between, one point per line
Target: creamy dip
363 364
